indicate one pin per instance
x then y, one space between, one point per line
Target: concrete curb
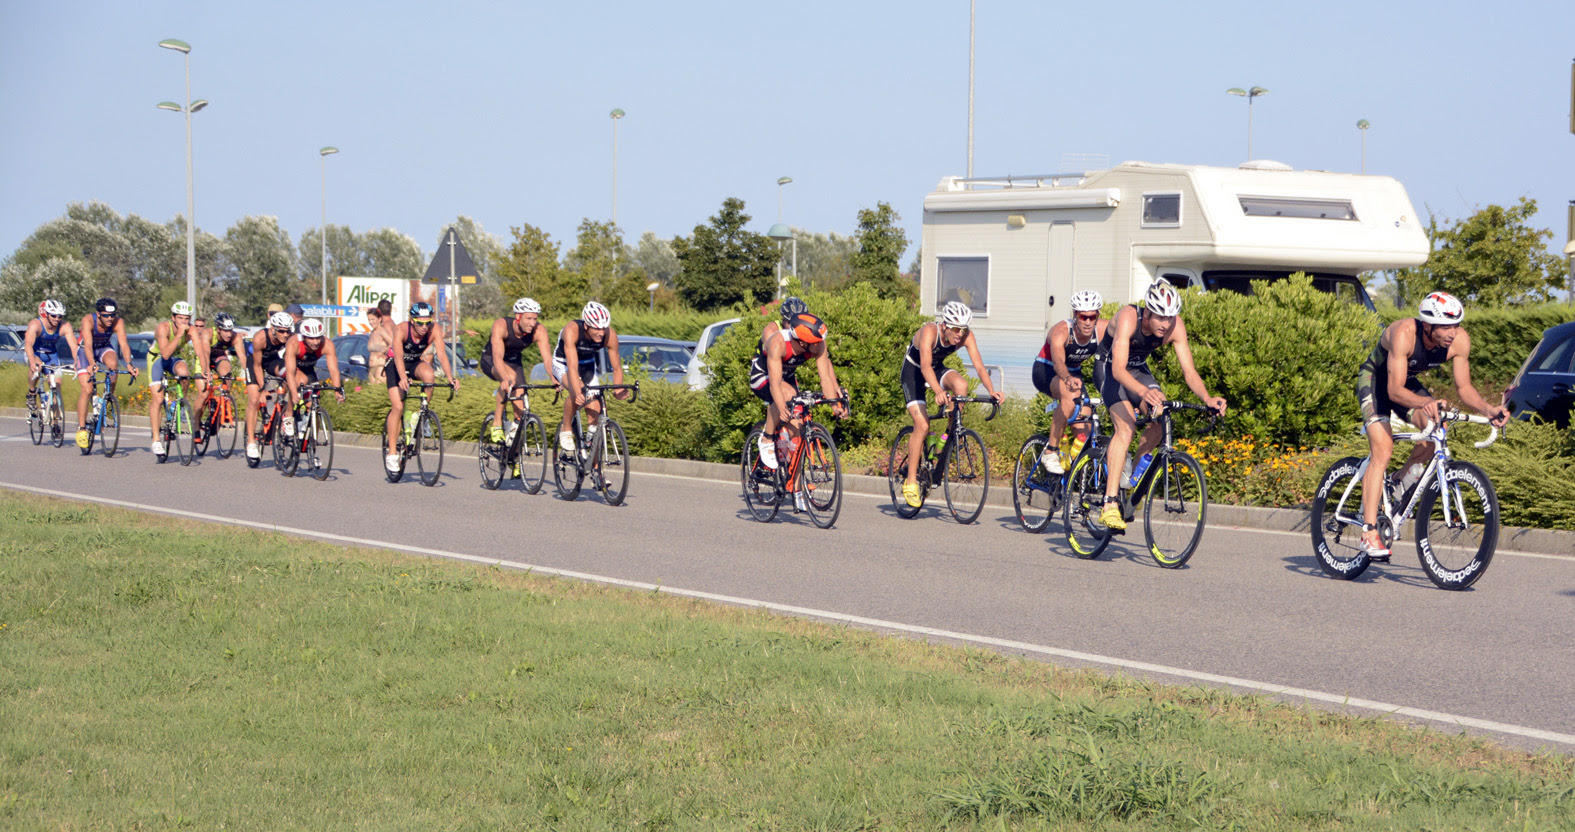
1511 538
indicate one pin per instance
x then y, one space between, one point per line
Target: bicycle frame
594 392
1092 403
1404 432
521 393
953 417
804 404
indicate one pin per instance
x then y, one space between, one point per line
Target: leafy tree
878 260
485 299
825 261
160 261
597 256
1494 256
65 278
529 268
345 256
724 264
392 254
655 256
263 268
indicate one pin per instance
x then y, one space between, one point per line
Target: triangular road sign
455 268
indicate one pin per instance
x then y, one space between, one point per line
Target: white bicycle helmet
181 308
311 328
596 316
956 313
1441 308
1087 300
281 320
1163 299
526 305
52 307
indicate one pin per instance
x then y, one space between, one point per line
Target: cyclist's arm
927 339
33 328
544 352
779 388
828 374
399 355
204 350
259 343
1189 369
978 366
1057 342
617 361
495 344
436 341
332 356
571 360
1460 356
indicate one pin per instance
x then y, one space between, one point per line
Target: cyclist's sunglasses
957 330
421 321
1088 316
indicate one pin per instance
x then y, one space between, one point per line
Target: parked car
1545 384
662 358
695 373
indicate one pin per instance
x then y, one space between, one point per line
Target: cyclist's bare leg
84 391
253 404
1380 448
506 383
1066 395
955 385
396 411
1123 426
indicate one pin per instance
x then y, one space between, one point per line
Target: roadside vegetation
167 674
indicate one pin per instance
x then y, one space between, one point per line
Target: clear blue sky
499 110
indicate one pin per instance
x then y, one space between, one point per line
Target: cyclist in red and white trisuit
1058 371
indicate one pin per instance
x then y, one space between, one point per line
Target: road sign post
453 270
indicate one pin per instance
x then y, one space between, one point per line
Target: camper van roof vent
1264 164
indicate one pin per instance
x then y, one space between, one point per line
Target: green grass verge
157 673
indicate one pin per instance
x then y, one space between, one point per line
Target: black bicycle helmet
224 322
420 311
792 308
105 305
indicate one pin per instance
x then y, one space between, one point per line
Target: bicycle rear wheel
1036 493
225 430
1085 497
320 444
897 475
532 460
1175 509
208 421
491 456
281 443
967 476
57 410
820 476
759 481
614 463
1336 520
288 448
1456 550
429 447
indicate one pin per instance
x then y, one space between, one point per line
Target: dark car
1545 384
663 359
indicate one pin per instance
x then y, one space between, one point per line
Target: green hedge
678 324
1501 339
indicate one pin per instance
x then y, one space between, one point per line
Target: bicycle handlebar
428 385
811 398
633 388
995 407
1168 407
1398 426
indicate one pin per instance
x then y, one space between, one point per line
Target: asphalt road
1251 609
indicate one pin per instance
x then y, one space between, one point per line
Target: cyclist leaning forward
265 351
923 367
1387 384
98 334
411 341
1058 371
300 363
773 375
503 359
168 337
1125 382
41 344
587 338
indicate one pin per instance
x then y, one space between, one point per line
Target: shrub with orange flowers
1248 471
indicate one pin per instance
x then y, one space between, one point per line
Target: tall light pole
780 182
191 201
1248 94
973 8
323 155
616 114
1362 125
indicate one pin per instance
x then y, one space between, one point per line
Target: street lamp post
323 155
1248 94
654 285
1362 125
781 232
780 182
616 114
191 202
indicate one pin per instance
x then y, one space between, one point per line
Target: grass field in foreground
157 673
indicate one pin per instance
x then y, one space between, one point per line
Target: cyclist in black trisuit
98 334
1058 369
411 341
1387 385
503 359
923 369
264 357
589 337
1125 382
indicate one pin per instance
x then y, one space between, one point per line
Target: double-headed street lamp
1362 125
780 182
191 201
324 153
1248 94
615 115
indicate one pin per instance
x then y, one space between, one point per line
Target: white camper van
1016 248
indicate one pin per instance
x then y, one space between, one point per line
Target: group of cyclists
1110 354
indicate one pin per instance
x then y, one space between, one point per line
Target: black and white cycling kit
1372 380
414 349
913 383
1138 350
585 354
514 346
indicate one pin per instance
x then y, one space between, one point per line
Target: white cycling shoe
158 448
391 462
1051 459
253 451
768 452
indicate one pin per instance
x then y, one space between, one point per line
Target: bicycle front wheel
1085 498
183 433
758 480
111 425
57 410
1336 520
491 456
320 444
281 443
897 475
820 476
208 421
614 464
225 430
1035 491
967 476
288 448
532 460
1457 528
1175 509
429 447
35 423
566 470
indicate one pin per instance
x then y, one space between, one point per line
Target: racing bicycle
1174 492
271 413
46 414
421 438
1037 494
105 416
1455 505
523 451
312 434
956 460
601 452
811 470
175 426
216 419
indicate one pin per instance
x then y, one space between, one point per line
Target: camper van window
966 279
1162 210
1307 209
1342 286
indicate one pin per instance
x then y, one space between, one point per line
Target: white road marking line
1093 658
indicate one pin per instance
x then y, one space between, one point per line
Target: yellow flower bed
1246 471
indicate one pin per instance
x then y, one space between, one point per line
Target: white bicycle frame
1405 432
